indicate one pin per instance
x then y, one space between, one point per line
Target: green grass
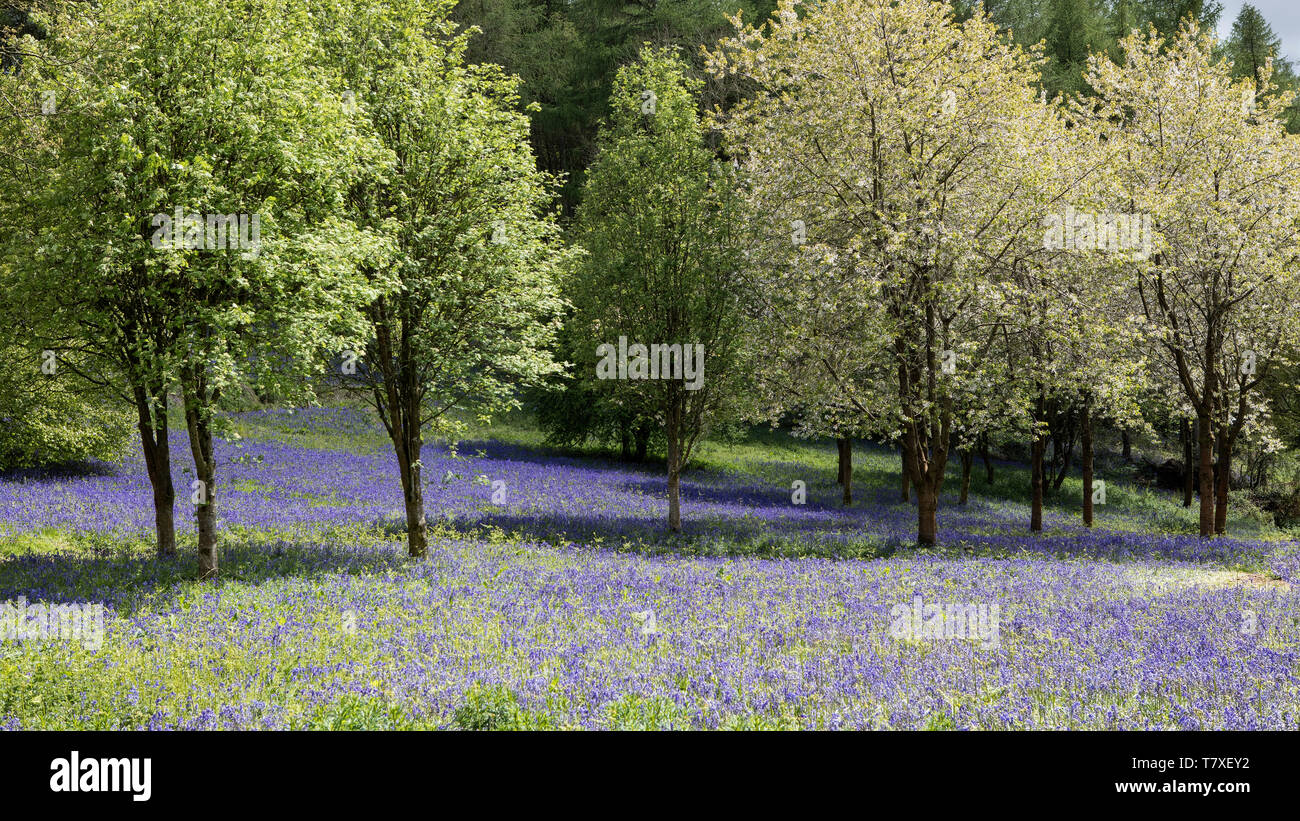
48 540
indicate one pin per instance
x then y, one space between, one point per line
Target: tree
1209 160
48 416
1256 52
903 143
657 295
1168 15
1076 29
171 115
474 252
575 410
567 54
815 316
1064 322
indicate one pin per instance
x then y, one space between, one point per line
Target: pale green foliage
1209 158
474 249
213 108
217 111
906 145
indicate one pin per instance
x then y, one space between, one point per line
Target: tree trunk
1127 444
1067 456
624 443
206 517
927 504
417 534
906 481
198 412
642 441
984 456
1085 433
399 395
1189 475
967 461
926 458
1036 484
152 416
1036 472
1205 443
927 418
408 445
839 462
674 420
1222 483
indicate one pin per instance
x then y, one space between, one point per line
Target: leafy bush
44 420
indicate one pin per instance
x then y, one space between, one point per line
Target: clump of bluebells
531 612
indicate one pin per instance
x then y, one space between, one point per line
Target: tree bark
927 505
1127 445
1189 475
1205 443
926 415
1065 450
152 414
398 396
405 431
1036 469
408 465
839 464
1222 483
674 425
927 457
642 441
206 513
1085 433
198 411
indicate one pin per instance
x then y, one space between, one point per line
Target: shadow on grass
60 472
724 514
124 574
551 455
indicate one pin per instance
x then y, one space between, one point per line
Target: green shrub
48 420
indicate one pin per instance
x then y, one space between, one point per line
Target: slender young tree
659 295
473 248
